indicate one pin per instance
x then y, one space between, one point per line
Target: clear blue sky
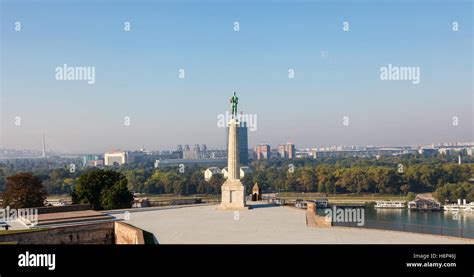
137 72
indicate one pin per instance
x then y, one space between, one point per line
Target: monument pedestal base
233 196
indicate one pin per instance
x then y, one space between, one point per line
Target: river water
438 223
441 218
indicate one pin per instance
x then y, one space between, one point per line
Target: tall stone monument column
233 191
233 158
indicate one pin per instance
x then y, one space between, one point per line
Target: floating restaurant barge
319 203
422 204
382 204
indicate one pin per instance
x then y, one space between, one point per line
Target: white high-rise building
115 158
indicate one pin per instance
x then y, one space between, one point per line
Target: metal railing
177 202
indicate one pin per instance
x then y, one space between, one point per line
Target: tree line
386 175
101 189
323 177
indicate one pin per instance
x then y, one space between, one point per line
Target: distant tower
204 153
242 133
44 148
290 149
197 151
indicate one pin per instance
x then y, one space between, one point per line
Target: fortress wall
128 234
97 233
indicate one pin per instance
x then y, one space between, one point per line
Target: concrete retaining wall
128 234
96 233
314 220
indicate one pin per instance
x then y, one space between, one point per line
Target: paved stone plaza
260 225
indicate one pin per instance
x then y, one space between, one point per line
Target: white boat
451 207
301 204
459 207
382 204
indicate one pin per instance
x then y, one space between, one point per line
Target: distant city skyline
274 147
137 73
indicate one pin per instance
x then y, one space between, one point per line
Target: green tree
116 197
102 189
174 183
405 188
155 183
247 181
411 196
384 180
453 192
54 180
291 182
24 190
260 177
307 179
217 180
136 179
330 187
353 179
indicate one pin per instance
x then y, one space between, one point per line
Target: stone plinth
233 195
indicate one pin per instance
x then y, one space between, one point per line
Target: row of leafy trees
173 182
55 181
453 192
336 178
102 189
330 175
110 189
390 175
271 174
324 178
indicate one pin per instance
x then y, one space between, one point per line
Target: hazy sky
337 72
